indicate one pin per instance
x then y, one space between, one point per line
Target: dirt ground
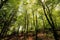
30 36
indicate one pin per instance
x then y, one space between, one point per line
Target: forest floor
40 36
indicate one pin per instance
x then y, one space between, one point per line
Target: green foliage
27 15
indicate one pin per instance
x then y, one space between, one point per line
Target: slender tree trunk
24 27
34 22
36 27
27 23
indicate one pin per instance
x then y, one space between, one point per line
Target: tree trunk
51 24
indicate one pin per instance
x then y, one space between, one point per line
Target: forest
29 19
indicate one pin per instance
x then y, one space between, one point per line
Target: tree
8 17
50 20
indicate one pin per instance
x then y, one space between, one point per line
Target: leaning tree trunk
50 22
52 25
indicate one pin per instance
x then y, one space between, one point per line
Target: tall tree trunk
7 24
36 27
25 26
53 25
34 21
49 21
